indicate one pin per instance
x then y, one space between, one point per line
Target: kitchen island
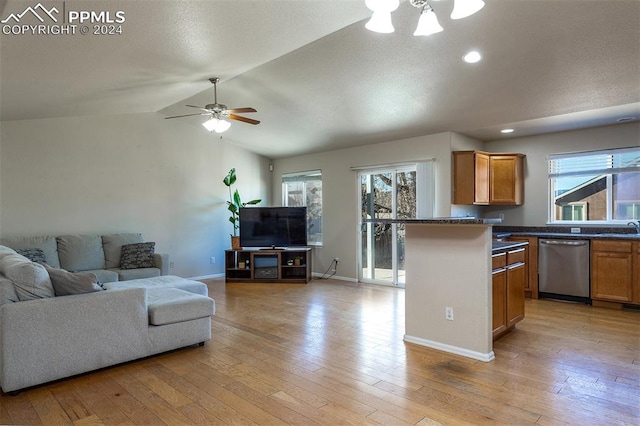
448 270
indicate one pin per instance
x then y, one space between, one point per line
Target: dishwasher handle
564 242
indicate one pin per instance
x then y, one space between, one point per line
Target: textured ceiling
320 81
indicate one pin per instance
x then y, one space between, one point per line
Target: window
574 211
595 186
304 189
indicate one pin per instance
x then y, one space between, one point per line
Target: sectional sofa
46 336
98 254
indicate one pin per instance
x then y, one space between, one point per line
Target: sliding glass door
385 194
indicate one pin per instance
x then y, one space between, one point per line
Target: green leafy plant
234 203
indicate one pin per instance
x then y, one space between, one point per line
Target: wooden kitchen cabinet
614 271
484 178
508 283
499 297
515 293
531 264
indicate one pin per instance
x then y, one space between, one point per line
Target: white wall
534 210
340 189
126 173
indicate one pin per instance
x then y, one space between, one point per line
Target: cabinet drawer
515 256
612 245
498 260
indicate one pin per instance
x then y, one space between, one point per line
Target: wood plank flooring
332 353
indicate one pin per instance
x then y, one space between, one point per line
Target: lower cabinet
499 284
614 271
531 264
509 278
516 277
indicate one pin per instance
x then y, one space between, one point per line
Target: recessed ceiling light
625 119
507 131
472 57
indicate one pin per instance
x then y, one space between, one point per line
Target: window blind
620 160
302 176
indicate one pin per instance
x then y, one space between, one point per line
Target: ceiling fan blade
244 119
187 115
199 107
238 110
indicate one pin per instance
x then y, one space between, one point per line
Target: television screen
273 226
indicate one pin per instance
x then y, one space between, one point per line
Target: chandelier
428 24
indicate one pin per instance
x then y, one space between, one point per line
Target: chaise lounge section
45 338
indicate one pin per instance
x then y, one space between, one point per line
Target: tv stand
268 265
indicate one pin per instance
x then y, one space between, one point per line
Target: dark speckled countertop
500 246
442 220
622 233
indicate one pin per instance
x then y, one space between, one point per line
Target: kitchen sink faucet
636 225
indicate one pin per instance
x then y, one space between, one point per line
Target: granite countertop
442 220
622 233
578 236
500 246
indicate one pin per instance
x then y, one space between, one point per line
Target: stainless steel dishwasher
563 270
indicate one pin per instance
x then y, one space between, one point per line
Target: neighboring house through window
304 189
595 186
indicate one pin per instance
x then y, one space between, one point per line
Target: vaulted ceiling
319 79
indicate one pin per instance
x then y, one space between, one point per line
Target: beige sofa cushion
7 291
31 280
48 245
66 283
80 252
171 305
112 245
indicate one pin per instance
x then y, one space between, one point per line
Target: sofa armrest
47 339
162 262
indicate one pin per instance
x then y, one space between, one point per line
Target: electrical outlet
448 313
575 230
212 260
336 259
172 265
501 216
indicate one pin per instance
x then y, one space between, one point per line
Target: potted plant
233 205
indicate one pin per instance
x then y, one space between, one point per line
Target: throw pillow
66 283
33 254
112 245
139 255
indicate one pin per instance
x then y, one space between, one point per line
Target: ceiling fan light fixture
472 57
380 21
217 125
428 23
464 8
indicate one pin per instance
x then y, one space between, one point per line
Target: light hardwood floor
332 353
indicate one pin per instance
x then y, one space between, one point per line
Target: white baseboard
313 275
318 275
488 357
206 277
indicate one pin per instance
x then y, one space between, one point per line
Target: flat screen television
273 227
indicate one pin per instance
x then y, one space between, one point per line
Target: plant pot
235 242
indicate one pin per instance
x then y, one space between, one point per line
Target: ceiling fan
218 112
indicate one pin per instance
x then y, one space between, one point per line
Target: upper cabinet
485 178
